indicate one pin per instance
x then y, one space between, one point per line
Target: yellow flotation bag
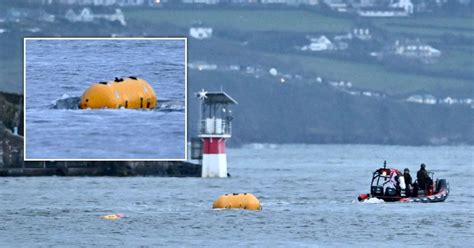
131 92
243 201
113 216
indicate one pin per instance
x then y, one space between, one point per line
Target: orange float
131 92
241 201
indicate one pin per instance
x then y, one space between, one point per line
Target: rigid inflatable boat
131 92
388 184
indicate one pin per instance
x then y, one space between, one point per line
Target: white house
337 5
415 99
131 2
361 33
202 66
86 15
449 100
291 2
200 32
407 5
75 2
343 37
382 12
104 2
422 99
364 3
306 2
319 44
95 2
273 1
415 49
208 2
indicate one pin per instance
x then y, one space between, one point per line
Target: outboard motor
402 184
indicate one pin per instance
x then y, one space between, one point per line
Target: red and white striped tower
215 127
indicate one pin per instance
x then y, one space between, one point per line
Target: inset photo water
105 98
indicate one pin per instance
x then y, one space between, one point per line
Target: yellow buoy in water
131 92
113 216
243 201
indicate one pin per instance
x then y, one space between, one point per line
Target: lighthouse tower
215 127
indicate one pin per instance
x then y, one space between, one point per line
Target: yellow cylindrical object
243 201
113 216
129 92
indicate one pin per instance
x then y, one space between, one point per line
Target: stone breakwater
12 164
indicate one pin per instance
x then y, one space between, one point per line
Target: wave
66 102
72 102
170 106
260 146
373 200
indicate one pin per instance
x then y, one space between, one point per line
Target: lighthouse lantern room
215 127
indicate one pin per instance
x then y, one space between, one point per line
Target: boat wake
373 200
72 102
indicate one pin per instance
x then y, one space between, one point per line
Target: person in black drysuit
408 181
423 178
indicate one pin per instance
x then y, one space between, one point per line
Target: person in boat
408 181
423 178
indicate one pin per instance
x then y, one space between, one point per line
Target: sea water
308 194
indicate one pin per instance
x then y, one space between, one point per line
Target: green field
301 21
251 22
428 25
246 20
376 77
367 76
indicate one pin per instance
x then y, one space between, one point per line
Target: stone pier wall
13 164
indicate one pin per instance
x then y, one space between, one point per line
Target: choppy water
308 193
58 70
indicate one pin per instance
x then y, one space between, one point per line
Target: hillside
334 96
274 34
271 112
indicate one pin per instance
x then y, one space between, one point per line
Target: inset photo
105 98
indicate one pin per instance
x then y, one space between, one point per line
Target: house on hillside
357 33
363 3
202 66
407 5
416 49
86 2
273 1
337 5
19 14
361 33
200 32
396 8
422 99
125 3
237 2
122 3
304 2
86 15
321 43
208 2
382 12
290 2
